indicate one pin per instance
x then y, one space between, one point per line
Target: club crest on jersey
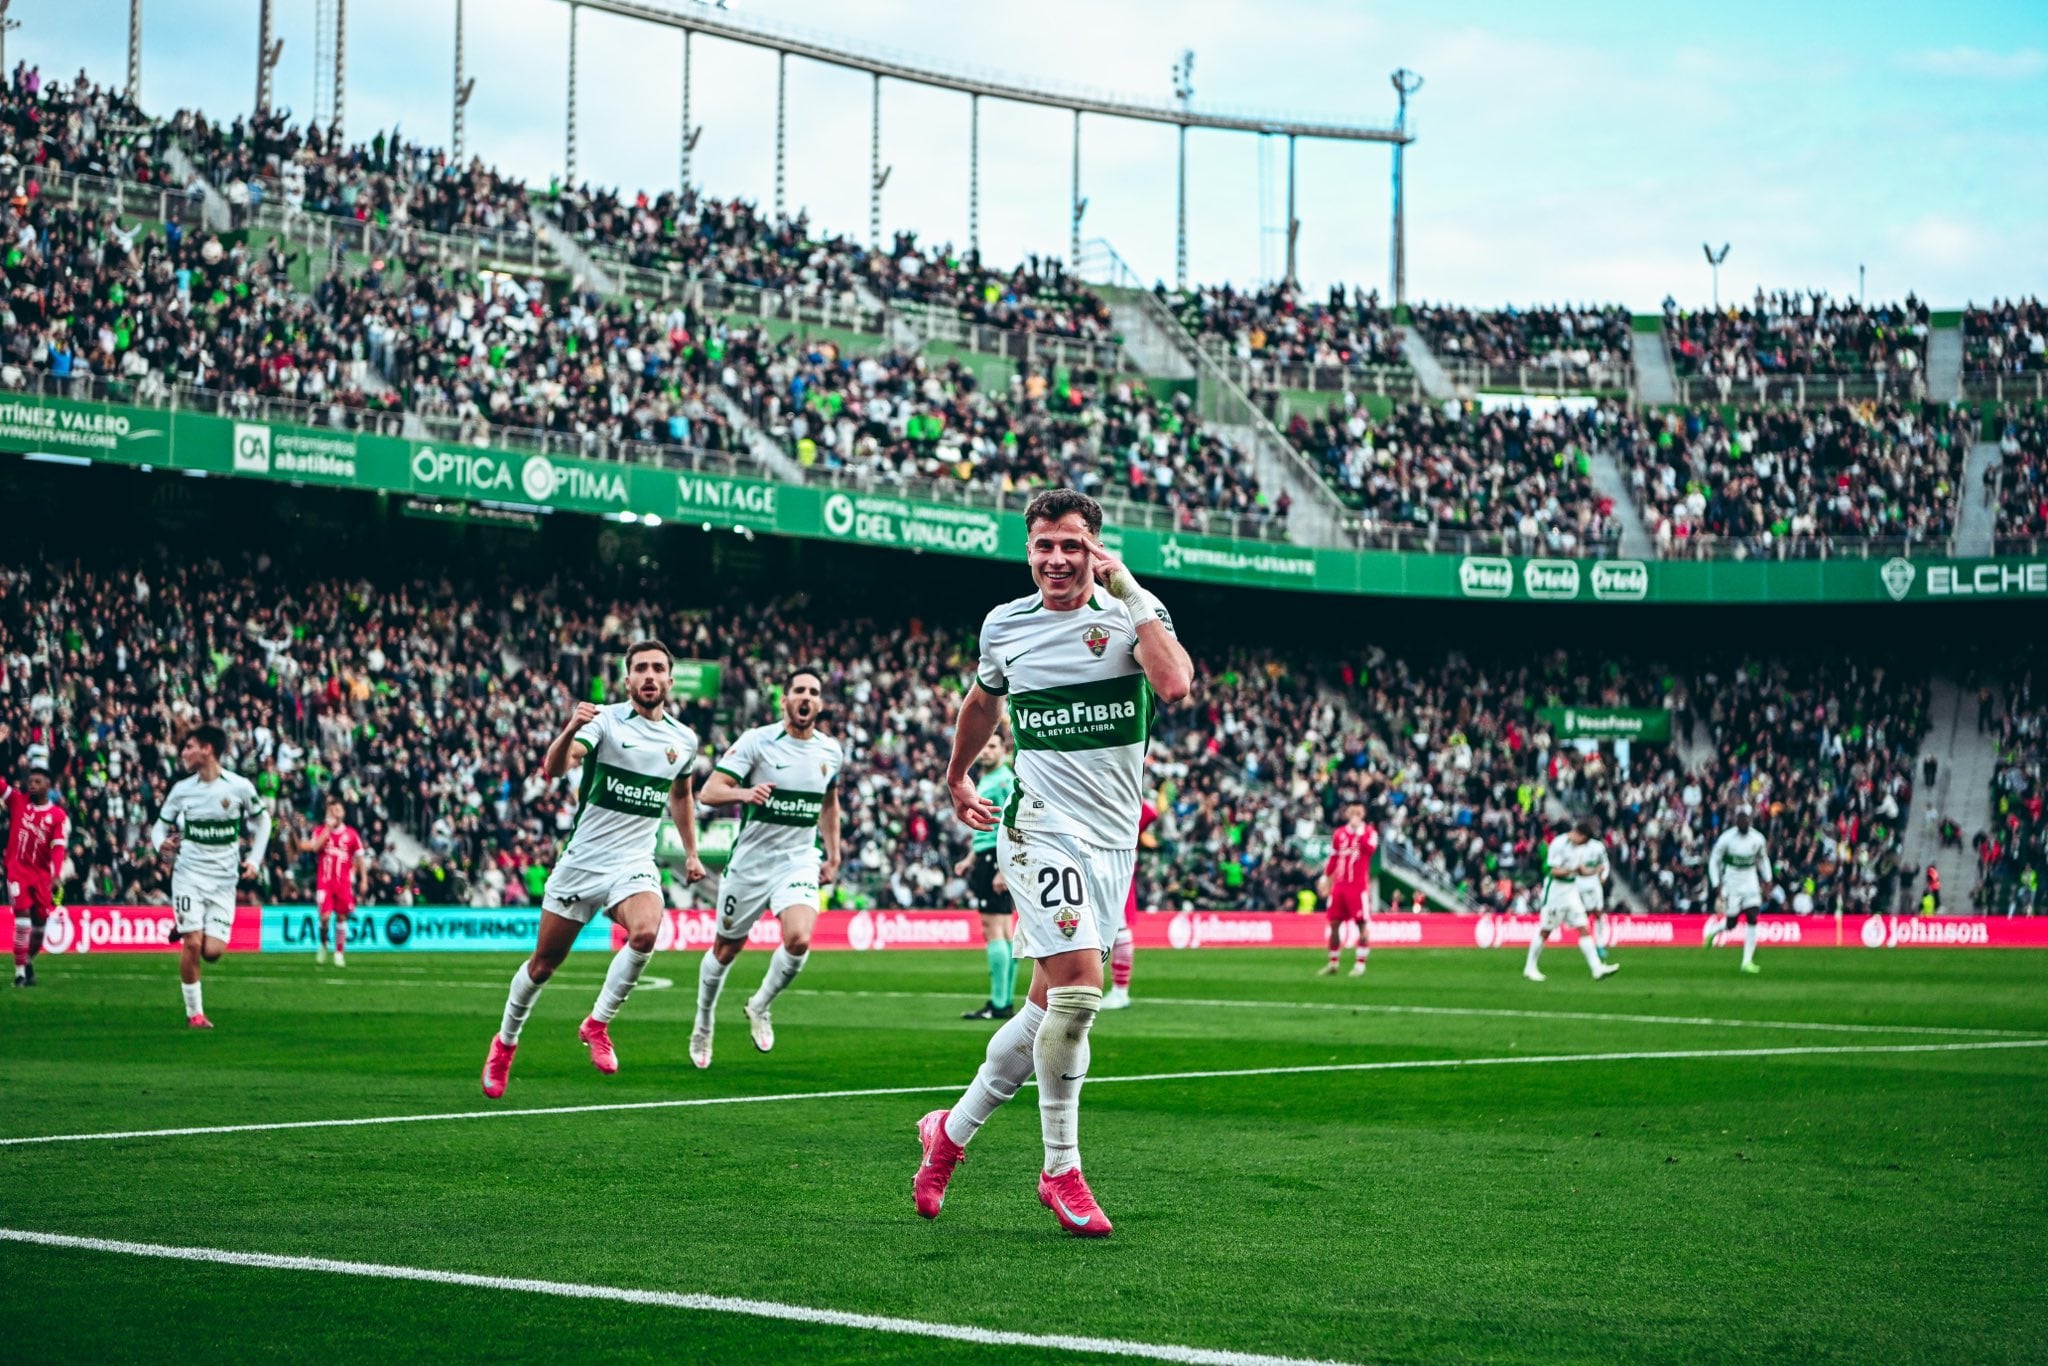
671 751
226 805
1068 919
1096 639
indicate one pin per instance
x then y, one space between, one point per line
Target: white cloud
1976 64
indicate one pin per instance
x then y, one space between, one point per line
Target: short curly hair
1053 504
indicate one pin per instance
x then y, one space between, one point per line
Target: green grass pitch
1859 1204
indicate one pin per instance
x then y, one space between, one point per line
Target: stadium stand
2013 851
2020 479
1277 325
1786 482
2007 338
1793 334
1588 346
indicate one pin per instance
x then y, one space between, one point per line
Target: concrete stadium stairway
1961 790
570 252
1655 382
1945 364
1612 484
1976 510
1435 380
1148 341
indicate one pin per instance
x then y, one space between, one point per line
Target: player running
201 828
1562 904
991 890
1346 887
1738 878
636 761
1082 661
36 830
1123 954
344 874
786 779
1594 870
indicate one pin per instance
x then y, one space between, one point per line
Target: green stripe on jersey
228 831
1105 714
786 807
621 789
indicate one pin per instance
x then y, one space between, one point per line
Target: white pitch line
669 1299
1493 1012
1393 1065
650 982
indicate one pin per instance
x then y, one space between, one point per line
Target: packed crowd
902 419
1792 334
427 704
79 128
2008 338
1277 324
2012 853
2019 482
1798 482
1583 346
1520 478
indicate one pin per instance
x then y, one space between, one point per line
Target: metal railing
933 322
1708 546
1371 534
2004 386
1799 390
126 198
473 250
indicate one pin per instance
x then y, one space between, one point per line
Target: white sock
710 981
518 1005
1007 1065
191 990
1061 1055
1707 930
782 970
1591 950
627 965
1748 941
1535 950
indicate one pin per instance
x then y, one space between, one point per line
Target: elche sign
2025 578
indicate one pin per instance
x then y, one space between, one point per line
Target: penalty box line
1307 1069
668 1299
1493 1013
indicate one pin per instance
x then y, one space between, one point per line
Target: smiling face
647 678
1059 553
802 700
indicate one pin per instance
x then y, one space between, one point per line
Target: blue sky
1565 152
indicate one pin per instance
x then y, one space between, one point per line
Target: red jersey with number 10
34 834
338 858
1351 855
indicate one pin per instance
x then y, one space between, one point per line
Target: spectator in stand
1790 334
2008 338
1587 346
2020 479
1276 325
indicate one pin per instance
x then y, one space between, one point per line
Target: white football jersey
1081 710
1561 866
784 827
1593 862
212 818
629 764
1740 861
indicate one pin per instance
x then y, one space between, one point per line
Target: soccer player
1562 904
344 874
636 761
1594 871
991 890
201 828
36 830
1738 877
786 779
1123 954
1082 661
1346 888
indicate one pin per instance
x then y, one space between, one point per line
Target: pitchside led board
176 439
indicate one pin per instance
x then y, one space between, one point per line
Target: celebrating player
1081 661
201 828
1738 877
1562 904
36 830
991 890
344 874
637 764
1346 887
786 779
1123 953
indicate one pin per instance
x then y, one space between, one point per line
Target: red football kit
35 851
1350 872
336 884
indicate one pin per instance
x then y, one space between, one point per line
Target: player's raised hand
1108 569
585 713
975 811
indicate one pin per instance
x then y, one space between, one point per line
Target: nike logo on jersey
624 745
1019 655
1070 1216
